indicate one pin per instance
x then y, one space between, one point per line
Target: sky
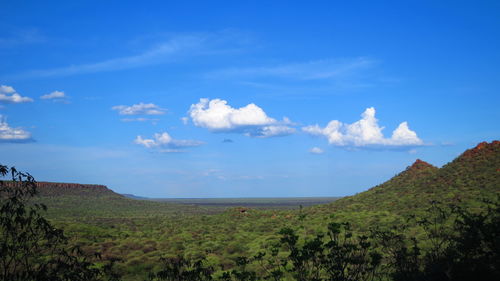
244 98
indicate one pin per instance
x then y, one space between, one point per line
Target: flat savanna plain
263 203
138 232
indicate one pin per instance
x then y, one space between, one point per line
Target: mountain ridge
469 178
61 189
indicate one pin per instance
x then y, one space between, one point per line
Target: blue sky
244 98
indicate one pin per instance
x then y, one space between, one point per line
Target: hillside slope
470 178
72 200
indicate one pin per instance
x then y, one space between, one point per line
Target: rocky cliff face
76 189
57 189
483 148
63 185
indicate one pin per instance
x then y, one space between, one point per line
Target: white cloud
364 133
165 143
313 70
316 150
404 136
171 150
54 95
9 95
8 134
156 55
271 131
217 116
221 175
139 109
140 119
173 49
7 89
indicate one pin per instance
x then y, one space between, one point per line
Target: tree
340 257
180 269
458 244
31 248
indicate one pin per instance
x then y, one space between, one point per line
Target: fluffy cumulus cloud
217 116
139 109
165 143
316 150
54 95
9 95
365 133
8 134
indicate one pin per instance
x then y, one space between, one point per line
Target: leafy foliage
31 248
181 269
468 252
458 245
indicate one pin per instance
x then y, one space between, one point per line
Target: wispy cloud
155 55
176 48
53 95
56 96
140 119
224 176
313 70
139 109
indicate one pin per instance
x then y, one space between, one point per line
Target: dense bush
448 243
31 248
457 245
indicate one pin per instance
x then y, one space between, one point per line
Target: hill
467 180
56 189
73 200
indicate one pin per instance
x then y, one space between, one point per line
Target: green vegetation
467 180
68 200
277 203
396 231
30 247
461 245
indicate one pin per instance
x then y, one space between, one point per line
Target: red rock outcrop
59 188
420 165
70 189
482 148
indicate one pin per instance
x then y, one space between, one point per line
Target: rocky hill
467 180
74 200
54 189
